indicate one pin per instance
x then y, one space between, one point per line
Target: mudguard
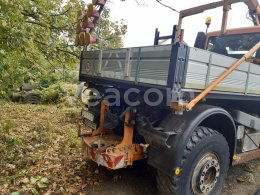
167 159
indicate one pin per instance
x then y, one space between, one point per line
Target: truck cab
234 43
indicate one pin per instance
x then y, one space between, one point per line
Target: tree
110 34
38 36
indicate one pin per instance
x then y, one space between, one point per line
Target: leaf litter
41 154
39 150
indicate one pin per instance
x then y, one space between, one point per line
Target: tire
207 153
32 98
257 192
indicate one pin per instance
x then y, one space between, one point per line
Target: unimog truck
191 112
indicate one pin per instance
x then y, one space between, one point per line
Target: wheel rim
205 174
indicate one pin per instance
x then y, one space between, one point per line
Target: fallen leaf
72 190
33 180
240 179
15 193
25 180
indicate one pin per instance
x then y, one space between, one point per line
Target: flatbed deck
176 67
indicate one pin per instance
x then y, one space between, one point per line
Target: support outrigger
109 150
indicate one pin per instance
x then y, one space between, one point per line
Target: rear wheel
203 168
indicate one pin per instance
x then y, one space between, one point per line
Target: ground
40 154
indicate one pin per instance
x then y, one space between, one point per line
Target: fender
167 159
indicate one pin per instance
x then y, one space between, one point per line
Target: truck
191 112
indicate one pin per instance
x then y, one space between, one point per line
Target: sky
142 20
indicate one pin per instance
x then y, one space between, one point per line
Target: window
234 45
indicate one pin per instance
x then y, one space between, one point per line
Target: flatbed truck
192 112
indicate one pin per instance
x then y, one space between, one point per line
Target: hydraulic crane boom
254 11
253 6
86 23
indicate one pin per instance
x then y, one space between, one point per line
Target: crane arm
254 11
253 6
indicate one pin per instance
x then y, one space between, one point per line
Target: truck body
192 69
190 111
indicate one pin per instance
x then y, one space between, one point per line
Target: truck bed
177 67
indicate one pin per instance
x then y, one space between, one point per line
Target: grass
38 141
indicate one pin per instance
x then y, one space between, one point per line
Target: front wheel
203 168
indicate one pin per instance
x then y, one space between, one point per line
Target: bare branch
159 1
37 23
66 27
68 52
140 4
30 15
57 48
63 13
35 14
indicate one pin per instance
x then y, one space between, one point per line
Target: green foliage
35 184
52 94
110 33
55 77
37 37
59 93
6 139
8 126
49 79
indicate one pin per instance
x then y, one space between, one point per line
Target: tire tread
168 185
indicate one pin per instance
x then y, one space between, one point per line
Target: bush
60 93
49 79
52 94
56 77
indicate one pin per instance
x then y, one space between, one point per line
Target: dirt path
40 154
139 180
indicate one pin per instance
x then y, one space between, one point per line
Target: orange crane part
253 6
111 151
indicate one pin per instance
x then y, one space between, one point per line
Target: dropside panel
204 68
144 64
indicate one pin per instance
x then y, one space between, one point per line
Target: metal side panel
205 67
196 75
87 63
113 63
147 65
254 80
246 119
251 142
236 81
151 65
154 71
